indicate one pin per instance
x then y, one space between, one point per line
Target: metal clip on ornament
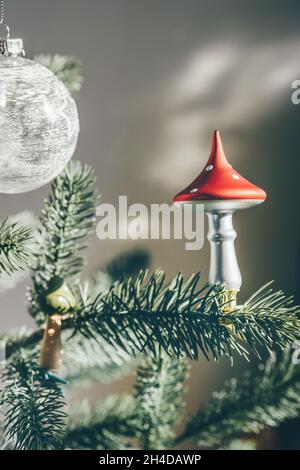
10 47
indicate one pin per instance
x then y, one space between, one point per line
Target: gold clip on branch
60 301
227 301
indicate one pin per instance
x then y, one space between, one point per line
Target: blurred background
160 76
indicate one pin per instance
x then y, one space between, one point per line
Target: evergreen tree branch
100 428
9 281
67 68
185 319
182 318
67 219
34 416
248 405
159 400
15 243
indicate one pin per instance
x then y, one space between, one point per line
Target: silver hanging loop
6 31
3 26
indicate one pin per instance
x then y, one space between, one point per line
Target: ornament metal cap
11 47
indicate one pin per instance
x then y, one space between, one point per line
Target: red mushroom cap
219 181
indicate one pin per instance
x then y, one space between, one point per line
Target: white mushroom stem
224 268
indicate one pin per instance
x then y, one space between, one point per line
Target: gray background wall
160 76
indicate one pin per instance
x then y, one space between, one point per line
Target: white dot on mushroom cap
236 177
193 190
209 167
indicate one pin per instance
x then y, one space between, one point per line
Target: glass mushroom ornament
222 191
38 120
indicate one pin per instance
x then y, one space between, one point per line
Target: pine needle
185 319
248 405
67 219
159 400
34 415
15 244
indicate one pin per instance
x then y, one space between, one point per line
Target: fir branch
248 405
67 219
34 418
100 428
9 281
185 319
137 313
159 400
15 243
67 68
269 319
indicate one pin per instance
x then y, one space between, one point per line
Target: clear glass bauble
39 125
